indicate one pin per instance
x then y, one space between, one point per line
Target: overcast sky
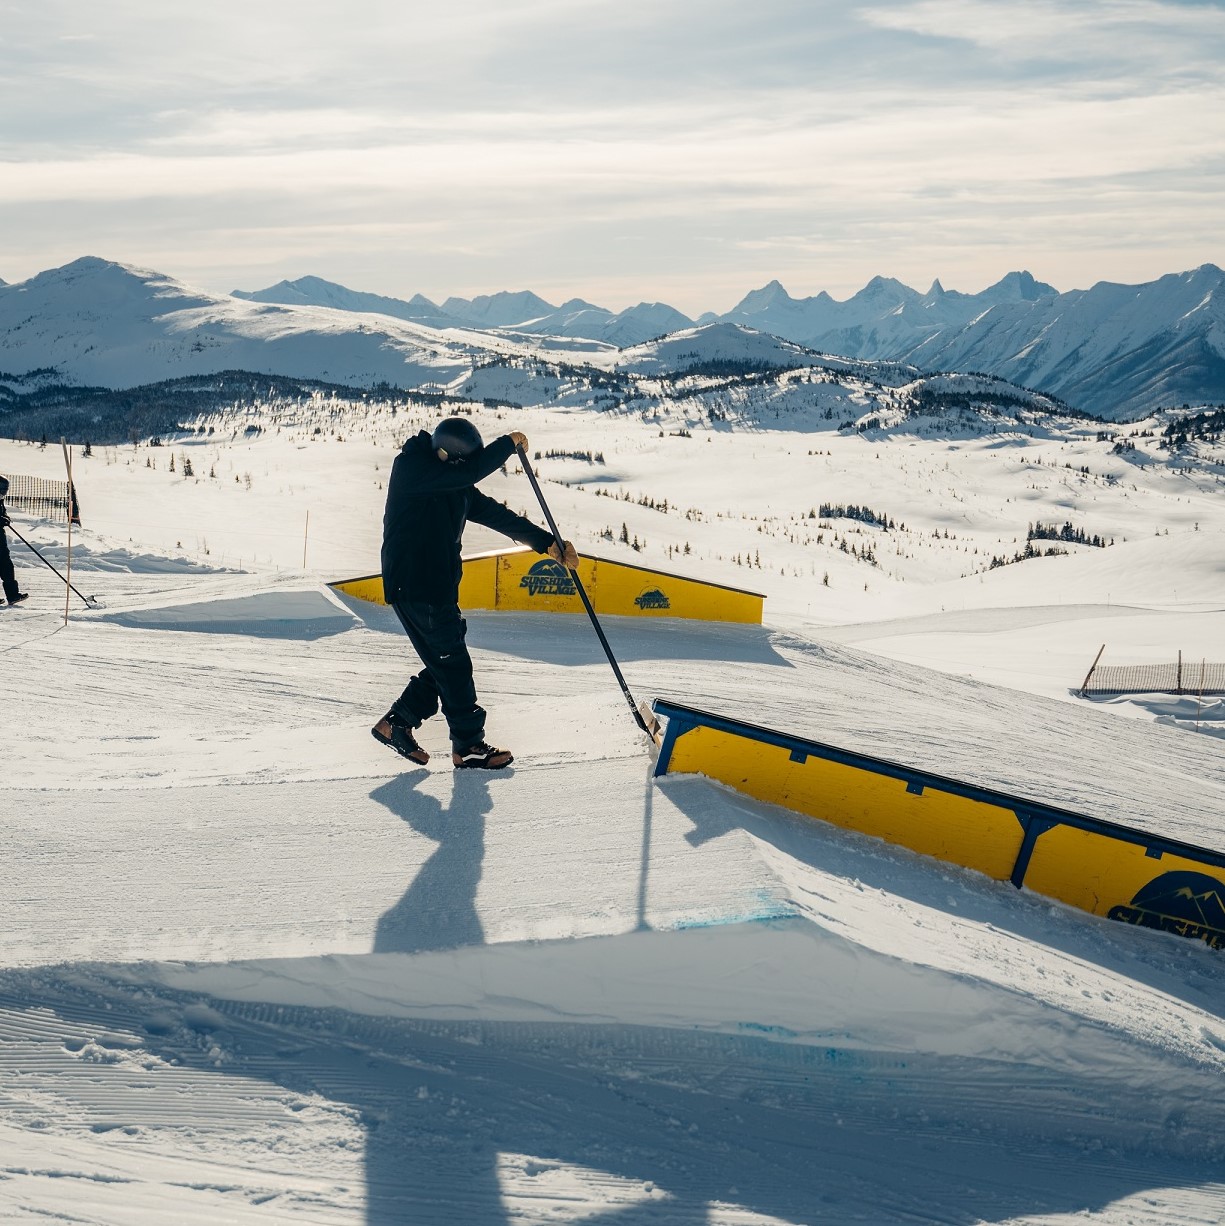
618 150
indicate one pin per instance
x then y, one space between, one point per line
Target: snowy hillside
99 323
258 973
631 326
712 344
315 291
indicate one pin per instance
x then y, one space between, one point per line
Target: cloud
1108 36
900 148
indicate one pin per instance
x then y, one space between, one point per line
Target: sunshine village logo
548 578
652 598
1187 904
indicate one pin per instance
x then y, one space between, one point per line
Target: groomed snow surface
255 972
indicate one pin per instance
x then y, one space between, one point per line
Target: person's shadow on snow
438 910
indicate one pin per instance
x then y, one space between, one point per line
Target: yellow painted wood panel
974 834
524 581
1110 877
369 587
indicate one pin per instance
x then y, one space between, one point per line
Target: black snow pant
437 633
7 575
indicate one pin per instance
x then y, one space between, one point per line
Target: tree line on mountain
736 368
591 457
105 415
928 401
865 515
1207 426
1065 534
1053 532
1022 555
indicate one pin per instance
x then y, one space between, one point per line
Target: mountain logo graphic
652 598
1188 904
548 578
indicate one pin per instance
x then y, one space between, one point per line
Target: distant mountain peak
282 289
771 295
88 263
885 288
420 300
1020 286
93 265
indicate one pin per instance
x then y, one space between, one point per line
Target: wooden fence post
68 566
1089 674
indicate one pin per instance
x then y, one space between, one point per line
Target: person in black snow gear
430 497
8 576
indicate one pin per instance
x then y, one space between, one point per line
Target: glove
567 555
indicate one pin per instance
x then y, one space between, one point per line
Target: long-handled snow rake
644 717
91 602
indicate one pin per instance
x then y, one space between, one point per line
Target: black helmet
4 486
457 438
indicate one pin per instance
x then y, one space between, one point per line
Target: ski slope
254 972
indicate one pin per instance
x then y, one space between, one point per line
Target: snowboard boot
392 731
481 756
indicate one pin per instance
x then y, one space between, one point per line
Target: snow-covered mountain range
71 336
1116 351
1112 350
110 325
522 312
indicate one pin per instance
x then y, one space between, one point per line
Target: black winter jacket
428 504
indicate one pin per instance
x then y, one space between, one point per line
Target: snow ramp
256 972
1102 867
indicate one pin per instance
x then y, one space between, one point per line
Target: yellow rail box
1102 867
525 581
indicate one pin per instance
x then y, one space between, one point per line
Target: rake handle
582 591
22 539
